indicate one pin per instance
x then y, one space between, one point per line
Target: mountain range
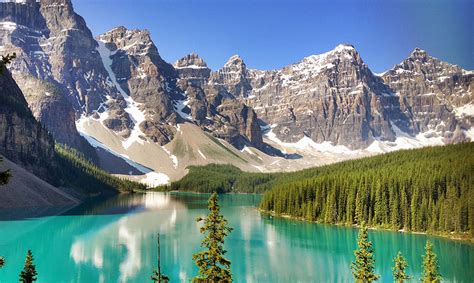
115 99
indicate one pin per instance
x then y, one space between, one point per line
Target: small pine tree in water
28 274
399 269
363 268
157 276
213 267
430 265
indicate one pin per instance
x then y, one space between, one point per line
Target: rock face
120 79
334 97
54 45
22 139
433 94
50 108
158 95
330 97
143 78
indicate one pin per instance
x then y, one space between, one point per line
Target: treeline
427 189
78 172
220 179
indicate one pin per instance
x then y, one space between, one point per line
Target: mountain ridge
305 113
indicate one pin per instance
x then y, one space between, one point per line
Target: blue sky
269 34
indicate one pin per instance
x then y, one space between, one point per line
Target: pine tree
28 274
364 264
157 276
399 269
430 265
213 267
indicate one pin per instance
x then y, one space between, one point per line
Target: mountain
157 118
54 48
437 96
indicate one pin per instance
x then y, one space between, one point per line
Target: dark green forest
74 170
424 190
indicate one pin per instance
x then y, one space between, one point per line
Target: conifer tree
430 265
363 268
28 274
157 276
399 269
213 267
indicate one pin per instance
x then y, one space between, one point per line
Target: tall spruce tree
28 274
213 267
157 276
430 265
399 269
363 268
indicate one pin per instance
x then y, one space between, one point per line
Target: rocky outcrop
22 139
214 105
329 97
53 110
433 93
121 80
142 76
54 46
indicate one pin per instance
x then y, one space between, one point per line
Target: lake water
115 241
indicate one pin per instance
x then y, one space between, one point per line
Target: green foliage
430 265
159 278
78 172
363 267
399 269
426 190
213 267
219 178
28 274
4 175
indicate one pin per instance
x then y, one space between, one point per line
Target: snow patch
97 144
172 157
179 106
202 154
405 141
307 143
154 179
137 115
465 110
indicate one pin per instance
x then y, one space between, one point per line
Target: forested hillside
427 189
76 171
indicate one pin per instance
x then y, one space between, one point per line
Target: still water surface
115 241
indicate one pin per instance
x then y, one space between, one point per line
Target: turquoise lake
114 240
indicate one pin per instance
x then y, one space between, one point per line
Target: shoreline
446 235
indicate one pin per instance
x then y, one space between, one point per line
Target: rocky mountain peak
235 60
132 41
190 61
419 53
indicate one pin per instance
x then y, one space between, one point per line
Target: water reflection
114 240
